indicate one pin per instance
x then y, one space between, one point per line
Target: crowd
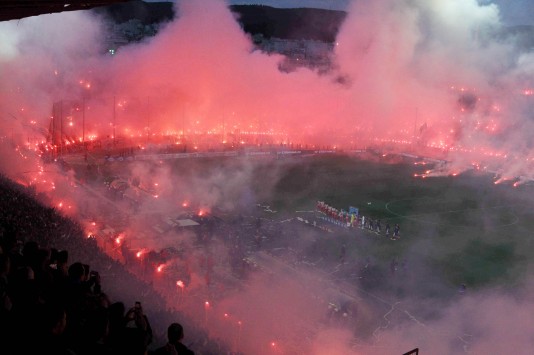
54 300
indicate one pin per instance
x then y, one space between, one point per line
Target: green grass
466 229
480 263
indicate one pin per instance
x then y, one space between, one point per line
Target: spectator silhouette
137 332
175 334
5 267
5 300
96 331
46 329
62 266
117 324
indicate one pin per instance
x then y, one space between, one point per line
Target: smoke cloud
442 78
405 71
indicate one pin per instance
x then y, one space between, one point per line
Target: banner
353 210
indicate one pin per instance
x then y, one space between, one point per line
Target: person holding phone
138 328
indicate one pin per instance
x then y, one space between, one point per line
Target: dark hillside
301 23
147 13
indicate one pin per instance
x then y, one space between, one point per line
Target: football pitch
454 230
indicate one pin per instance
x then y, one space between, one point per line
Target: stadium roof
13 10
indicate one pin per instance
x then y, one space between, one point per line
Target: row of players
355 220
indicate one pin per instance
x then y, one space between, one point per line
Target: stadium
370 199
